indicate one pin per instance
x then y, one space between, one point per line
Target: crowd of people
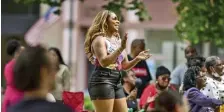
198 83
37 76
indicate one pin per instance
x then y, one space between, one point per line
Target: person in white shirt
63 75
50 97
214 84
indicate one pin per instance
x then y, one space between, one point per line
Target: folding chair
75 100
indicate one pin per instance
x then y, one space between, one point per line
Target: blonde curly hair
99 27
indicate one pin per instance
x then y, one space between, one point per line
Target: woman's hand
132 95
124 41
151 99
148 101
144 55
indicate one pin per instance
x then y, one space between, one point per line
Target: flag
33 36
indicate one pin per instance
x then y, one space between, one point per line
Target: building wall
53 36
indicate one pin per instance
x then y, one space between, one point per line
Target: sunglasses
164 78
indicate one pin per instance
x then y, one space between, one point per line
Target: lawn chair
75 100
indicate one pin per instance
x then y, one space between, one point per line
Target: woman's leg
102 96
103 105
120 105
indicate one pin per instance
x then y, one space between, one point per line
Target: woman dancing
105 49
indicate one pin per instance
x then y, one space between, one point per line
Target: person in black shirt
141 70
34 74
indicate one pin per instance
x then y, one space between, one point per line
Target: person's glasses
166 78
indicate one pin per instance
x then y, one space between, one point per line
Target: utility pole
71 24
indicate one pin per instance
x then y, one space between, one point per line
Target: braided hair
194 67
196 61
190 77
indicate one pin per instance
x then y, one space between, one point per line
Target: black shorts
105 84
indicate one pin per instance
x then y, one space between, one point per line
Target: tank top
112 47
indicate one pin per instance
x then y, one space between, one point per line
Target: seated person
195 61
152 90
33 74
130 90
214 84
170 101
194 80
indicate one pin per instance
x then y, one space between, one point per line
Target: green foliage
52 3
142 12
118 5
88 104
114 5
49 2
201 21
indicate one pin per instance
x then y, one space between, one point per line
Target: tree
114 5
201 21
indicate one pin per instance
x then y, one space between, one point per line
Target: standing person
177 76
105 49
33 74
194 80
12 95
63 76
151 91
141 69
214 84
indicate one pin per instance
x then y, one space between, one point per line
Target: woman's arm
200 99
126 65
100 52
66 76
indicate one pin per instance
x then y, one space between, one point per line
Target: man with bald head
177 76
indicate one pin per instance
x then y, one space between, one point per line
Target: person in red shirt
152 90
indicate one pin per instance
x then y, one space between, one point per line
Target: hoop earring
106 27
